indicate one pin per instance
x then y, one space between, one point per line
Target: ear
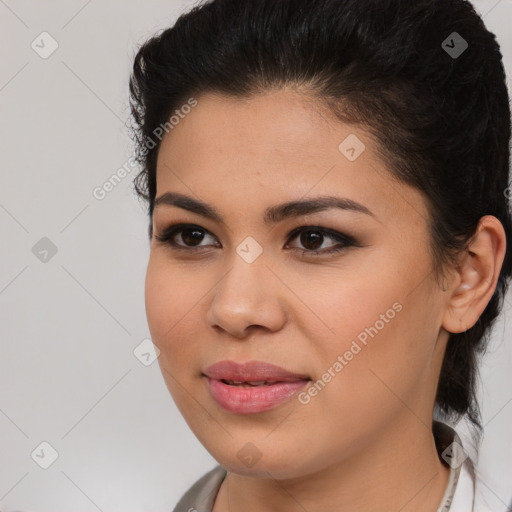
476 276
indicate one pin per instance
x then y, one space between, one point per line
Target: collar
460 490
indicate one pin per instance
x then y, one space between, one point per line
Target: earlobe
476 277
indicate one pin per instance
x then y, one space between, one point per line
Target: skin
365 439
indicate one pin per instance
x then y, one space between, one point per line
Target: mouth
252 398
252 373
252 387
249 384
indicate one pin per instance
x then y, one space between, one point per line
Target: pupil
311 237
191 236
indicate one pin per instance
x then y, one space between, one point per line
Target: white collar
459 495
464 496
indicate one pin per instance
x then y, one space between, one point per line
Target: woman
330 244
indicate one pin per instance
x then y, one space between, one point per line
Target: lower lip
250 400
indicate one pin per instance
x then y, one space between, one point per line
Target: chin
249 461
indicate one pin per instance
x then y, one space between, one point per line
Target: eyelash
167 235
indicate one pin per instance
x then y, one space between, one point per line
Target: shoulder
201 496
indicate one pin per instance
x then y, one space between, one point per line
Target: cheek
373 328
346 304
171 297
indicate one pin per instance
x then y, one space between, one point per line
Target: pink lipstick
252 387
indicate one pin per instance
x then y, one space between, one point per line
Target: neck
401 470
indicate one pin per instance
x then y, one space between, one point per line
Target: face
342 297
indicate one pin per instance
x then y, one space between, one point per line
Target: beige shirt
458 496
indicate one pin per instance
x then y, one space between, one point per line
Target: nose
248 296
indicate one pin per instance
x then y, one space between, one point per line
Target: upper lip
251 371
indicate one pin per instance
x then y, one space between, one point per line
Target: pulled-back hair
441 118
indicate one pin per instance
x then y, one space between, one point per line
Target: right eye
190 235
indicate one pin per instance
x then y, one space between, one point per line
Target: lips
251 387
255 373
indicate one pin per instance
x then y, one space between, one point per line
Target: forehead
268 122
277 146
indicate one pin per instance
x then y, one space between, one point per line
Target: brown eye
192 236
311 239
185 237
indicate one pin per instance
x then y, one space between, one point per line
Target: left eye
311 237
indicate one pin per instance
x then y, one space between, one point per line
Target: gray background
70 324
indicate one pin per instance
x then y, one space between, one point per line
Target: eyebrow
272 214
